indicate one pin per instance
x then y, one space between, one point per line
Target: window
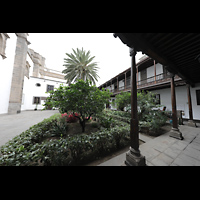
157 99
50 87
198 96
36 100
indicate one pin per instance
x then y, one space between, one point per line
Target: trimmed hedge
33 148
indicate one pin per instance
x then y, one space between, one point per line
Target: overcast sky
110 53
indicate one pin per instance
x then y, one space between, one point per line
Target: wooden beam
135 40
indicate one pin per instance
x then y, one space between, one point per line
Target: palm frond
78 65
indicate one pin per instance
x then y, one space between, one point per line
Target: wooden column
125 81
154 70
190 121
117 85
133 156
175 131
173 101
137 76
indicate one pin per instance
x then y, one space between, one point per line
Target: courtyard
158 151
15 124
167 151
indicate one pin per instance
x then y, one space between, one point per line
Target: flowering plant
70 117
80 97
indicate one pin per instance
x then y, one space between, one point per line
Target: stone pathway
168 151
12 125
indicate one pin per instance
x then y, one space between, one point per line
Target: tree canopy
79 65
80 97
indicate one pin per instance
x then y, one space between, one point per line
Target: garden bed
53 142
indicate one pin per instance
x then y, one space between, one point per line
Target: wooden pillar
125 81
173 101
190 121
133 156
175 132
117 85
154 70
137 76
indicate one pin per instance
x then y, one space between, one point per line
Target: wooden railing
151 81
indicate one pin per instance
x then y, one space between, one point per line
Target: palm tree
79 66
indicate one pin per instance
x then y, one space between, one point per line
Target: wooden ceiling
178 51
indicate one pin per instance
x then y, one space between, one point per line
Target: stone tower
18 74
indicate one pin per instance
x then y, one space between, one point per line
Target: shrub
122 100
54 153
104 120
80 97
31 148
70 117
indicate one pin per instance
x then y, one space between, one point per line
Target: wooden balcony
157 81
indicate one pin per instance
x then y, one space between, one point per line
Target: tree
147 105
79 66
123 100
80 97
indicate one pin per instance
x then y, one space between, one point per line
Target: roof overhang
177 51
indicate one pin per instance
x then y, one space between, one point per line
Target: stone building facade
23 68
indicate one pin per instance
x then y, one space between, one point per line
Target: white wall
150 70
159 69
30 90
6 67
181 100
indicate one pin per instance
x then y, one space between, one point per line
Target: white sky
110 53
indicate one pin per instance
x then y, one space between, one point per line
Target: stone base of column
175 133
14 108
191 123
134 158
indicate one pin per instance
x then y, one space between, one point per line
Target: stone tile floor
167 151
15 124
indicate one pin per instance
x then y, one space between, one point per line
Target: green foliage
79 97
54 153
79 66
24 149
104 120
68 150
147 105
149 114
122 100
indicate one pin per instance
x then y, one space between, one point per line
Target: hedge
32 147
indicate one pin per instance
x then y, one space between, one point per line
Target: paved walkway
12 125
168 151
